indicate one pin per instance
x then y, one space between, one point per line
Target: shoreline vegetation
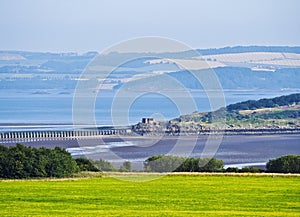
22 162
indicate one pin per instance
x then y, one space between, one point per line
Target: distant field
167 196
269 58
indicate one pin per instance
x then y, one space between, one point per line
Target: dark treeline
85 164
284 164
266 103
163 163
20 161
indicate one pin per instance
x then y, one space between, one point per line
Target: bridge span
43 135
48 135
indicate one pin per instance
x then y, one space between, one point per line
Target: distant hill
244 78
238 49
238 68
246 49
278 112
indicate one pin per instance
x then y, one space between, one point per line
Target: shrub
250 170
85 164
232 170
104 165
126 167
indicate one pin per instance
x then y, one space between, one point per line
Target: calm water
28 108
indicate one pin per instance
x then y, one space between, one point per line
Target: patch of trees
243 170
85 164
254 117
164 163
104 165
20 161
265 103
280 114
284 164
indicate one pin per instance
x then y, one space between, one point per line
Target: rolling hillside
241 67
278 112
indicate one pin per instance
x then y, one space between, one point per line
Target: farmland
176 195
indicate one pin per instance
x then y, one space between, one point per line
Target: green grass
167 196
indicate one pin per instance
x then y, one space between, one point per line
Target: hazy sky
84 25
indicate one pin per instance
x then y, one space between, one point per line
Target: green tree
126 167
23 162
60 163
232 170
211 165
16 161
163 163
284 164
3 161
85 164
249 170
104 165
189 165
39 162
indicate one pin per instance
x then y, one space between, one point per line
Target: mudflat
233 149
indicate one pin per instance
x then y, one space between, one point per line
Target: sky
95 25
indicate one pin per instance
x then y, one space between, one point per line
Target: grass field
167 196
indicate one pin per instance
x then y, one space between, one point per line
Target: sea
24 110
27 108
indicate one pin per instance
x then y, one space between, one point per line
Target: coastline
234 150
132 131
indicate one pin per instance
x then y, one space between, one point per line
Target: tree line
265 103
165 163
21 162
18 162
